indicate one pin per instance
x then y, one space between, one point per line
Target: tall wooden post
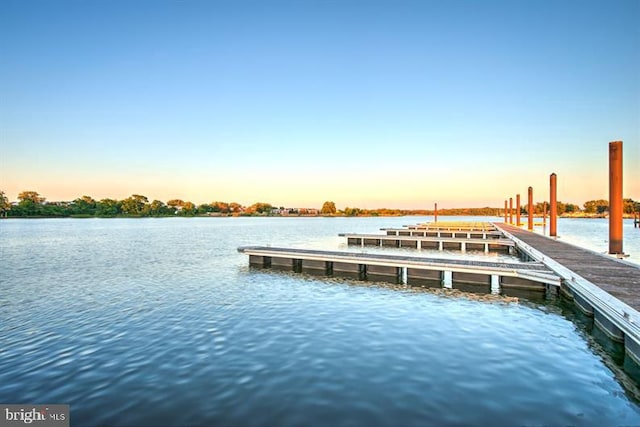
435 213
518 210
553 205
530 210
615 197
506 213
510 210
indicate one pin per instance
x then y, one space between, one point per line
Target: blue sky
367 103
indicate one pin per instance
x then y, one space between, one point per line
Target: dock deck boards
622 280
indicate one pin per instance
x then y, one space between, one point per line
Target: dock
477 233
423 242
467 275
602 286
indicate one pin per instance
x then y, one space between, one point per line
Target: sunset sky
392 103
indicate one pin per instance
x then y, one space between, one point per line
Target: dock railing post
518 210
553 205
615 197
530 209
510 210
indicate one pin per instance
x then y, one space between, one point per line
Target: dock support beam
615 197
553 205
530 209
518 210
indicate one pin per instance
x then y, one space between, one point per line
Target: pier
600 285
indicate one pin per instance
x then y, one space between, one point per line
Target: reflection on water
162 322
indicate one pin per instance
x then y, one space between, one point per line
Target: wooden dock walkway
622 280
423 242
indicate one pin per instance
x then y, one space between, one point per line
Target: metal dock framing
423 242
600 285
444 232
466 275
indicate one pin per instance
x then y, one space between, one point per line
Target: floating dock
445 232
467 275
422 242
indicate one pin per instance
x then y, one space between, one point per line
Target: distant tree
30 203
571 208
5 206
108 208
351 211
259 208
136 205
328 208
188 209
596 206
235 207
158 208
630 206
84 205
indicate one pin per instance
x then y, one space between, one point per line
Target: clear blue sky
366 103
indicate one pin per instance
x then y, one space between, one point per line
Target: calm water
161 322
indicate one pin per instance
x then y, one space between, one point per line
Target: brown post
553 206
530 210
544 214
518 210
506 213
615 197
435 213
510 210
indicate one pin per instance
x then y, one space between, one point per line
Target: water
161 322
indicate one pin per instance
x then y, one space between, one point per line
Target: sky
396 104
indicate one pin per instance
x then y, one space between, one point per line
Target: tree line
32 204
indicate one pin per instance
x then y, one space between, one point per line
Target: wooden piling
615 197
510 210
435 213
518 210
530 209
553 205
506 213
